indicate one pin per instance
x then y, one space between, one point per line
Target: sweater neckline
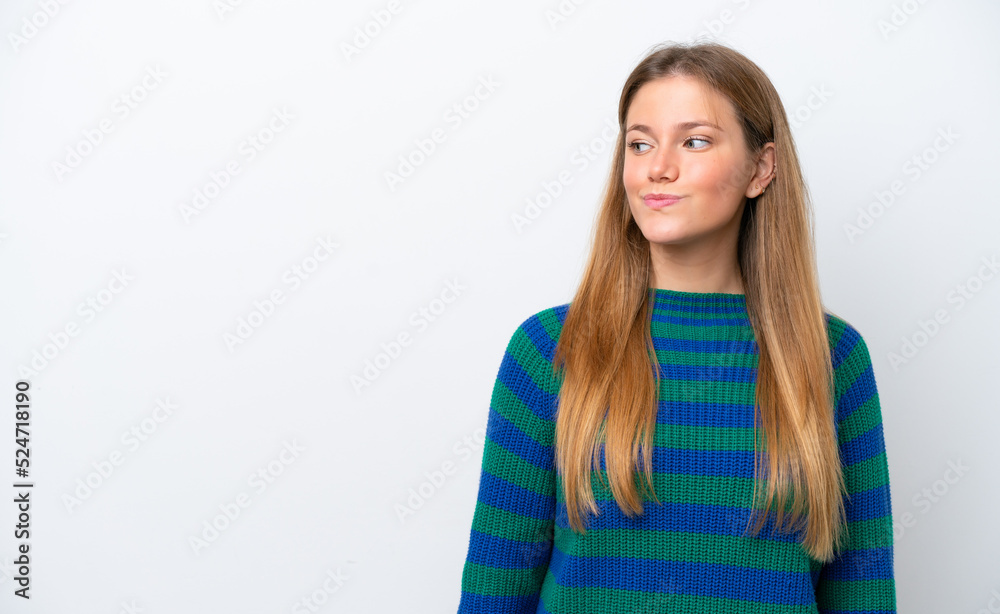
676 295
664 299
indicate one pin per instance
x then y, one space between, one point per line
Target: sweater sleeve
860 578
512 527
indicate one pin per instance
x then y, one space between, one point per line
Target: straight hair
610 369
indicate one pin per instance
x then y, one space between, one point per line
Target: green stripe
857 595
680 488
707 391
722 438
872 533
710 359
508 405
496 582
867 474
867 416
501 523
593 600
691 547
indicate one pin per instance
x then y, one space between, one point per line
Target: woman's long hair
610 369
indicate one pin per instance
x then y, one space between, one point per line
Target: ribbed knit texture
687 555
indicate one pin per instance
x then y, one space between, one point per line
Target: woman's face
672 148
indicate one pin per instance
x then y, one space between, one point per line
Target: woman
718 441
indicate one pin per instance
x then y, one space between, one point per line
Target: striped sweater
688 555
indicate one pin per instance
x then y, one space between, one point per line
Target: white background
162 337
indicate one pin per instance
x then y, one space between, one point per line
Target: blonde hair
610 369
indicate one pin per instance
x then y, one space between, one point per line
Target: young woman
694 432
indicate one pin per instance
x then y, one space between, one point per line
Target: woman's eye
695 138
633 145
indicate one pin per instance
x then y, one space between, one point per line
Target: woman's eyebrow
679 126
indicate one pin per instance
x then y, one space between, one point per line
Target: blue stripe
535 331
683 578
707 373
482 603
854 565
848 339
860 390
713 301
561 311
714 463
505 434
734 308
863 447
503 495
501 553
684 517
519 382
736 321
868 504
706 346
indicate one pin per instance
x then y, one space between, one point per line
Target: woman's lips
659 202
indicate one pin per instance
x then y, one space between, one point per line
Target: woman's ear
765 171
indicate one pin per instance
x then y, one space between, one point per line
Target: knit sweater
688 554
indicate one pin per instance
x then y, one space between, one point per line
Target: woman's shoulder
846 341
531 349
542 329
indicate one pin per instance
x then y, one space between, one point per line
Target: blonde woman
694 432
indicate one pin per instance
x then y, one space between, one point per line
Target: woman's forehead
679 99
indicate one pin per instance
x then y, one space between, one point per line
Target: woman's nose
663 165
